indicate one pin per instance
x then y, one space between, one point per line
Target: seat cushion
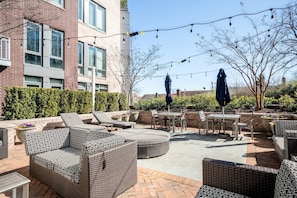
1 142
62 161
279 145
286 180
212 192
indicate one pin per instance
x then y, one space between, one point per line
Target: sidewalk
150 183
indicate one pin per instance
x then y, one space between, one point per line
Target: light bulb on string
191 75
189 60
191 28
157 36
21 43
268 33
176 76
230 23
94 40
205 74
271 10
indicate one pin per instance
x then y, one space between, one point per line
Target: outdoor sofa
3 143
81 162
285 138
230 179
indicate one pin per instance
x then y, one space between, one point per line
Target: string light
230 23
95 40
271 10
157 36
68 44
191 28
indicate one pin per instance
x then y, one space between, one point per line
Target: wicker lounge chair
229 179
73 120
102 118
3 143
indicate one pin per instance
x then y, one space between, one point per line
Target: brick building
57 43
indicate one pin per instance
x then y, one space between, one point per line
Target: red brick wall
43 12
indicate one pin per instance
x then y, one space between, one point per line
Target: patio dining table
234 117
171 116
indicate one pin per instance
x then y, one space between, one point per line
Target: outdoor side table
12 181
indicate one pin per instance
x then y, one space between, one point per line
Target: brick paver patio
150 183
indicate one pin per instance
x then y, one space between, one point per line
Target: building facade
60 43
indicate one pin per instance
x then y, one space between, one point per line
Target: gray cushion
99 145
212 192
38 142
279 144
1 143
286 180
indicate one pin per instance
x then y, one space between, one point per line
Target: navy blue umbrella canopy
222 91
168 90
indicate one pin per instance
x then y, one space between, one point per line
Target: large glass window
81 10
97 58
33 43
33 81
56 59
97 16
80 58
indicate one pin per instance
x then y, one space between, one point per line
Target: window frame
27 39
6 57
102 69
80 68
33 83
100 13
54 56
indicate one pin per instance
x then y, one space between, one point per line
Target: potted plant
23 128
125 117
116 117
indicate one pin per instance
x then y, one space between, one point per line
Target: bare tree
256 57
133 67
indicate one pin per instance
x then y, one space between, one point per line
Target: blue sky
179 44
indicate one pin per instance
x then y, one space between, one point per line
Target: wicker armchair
229 179
3 143
285 138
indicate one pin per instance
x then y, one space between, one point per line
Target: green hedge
207 102
26 103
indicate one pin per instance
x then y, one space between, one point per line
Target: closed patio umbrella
168 90
222 91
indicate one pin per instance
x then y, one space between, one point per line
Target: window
33 43
102 88
4 49
58 2
80 58
82 86
33 81
97 57
56 59
81 10
97 16
56 83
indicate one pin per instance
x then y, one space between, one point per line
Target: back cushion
99 145
38 142
78 136
286 180
282 125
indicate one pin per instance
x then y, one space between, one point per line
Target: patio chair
181 121
202 121
102 118
246 125
72 120
155 118
231 179
3 143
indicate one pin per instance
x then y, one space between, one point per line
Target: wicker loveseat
3 143
229 179
82 162
285 138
